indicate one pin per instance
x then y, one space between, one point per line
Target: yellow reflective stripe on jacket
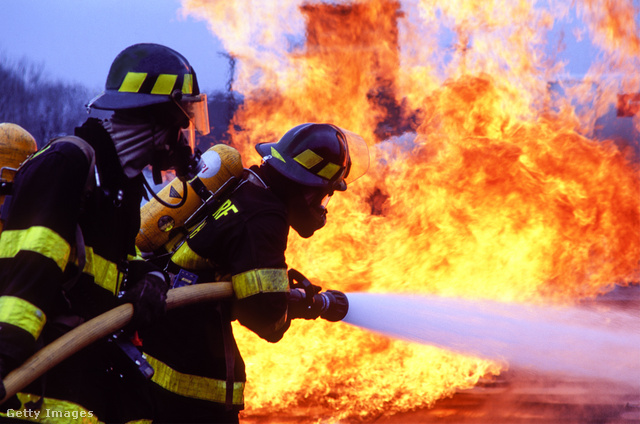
105 273
193 386
256 281
52 411
23 314
37 239
188 259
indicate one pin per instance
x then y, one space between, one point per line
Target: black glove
3 373
148 296
301 298
15 347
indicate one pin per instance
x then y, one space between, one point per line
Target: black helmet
146 74
151 74
318 155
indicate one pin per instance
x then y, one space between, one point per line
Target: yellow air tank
16 145
219 163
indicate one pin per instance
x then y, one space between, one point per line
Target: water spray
580 341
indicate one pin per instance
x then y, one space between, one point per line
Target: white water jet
581 341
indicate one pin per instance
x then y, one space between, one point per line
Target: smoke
584 341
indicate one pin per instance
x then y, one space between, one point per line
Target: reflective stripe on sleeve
37 239
23 314
186 258
193 386
105 273
256 281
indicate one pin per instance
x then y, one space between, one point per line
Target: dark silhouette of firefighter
199 374
67 250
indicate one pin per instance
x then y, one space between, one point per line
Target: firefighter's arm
146 289
35 246
261 301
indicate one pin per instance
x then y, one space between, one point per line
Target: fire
483 184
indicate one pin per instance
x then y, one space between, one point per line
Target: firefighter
16 145
199 373
67 251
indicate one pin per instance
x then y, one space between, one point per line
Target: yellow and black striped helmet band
310 159
163 84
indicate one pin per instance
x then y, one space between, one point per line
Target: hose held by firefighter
242 237
67 249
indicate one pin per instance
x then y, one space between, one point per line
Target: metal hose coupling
335 305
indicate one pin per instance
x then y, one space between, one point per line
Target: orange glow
482 184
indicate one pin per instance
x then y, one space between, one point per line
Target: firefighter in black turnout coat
199 373
68 245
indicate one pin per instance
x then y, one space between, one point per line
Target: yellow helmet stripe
187 84
308 159
329 171
164 84
132 82
276 154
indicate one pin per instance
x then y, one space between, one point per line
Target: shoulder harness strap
90 154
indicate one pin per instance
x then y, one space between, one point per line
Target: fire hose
331 305
99 327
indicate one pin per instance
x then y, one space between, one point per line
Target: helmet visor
195 107
358 156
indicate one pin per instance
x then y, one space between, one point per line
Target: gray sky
76 40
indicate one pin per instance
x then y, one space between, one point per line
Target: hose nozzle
308 302
335 305
331 305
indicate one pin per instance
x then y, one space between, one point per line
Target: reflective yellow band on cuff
188 259
193 386
104 272
23 314
52 411
256 281
41 240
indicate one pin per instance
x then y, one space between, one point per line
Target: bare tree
44 108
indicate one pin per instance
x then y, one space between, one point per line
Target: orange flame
482 184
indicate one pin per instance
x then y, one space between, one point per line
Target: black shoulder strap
90 153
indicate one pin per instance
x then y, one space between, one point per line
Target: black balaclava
149 136
305 211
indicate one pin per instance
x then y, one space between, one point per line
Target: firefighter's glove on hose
301 298
3 373
6 366
148 296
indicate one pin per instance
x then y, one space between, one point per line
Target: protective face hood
138 143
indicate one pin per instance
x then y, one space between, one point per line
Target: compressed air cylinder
16 145
219 164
